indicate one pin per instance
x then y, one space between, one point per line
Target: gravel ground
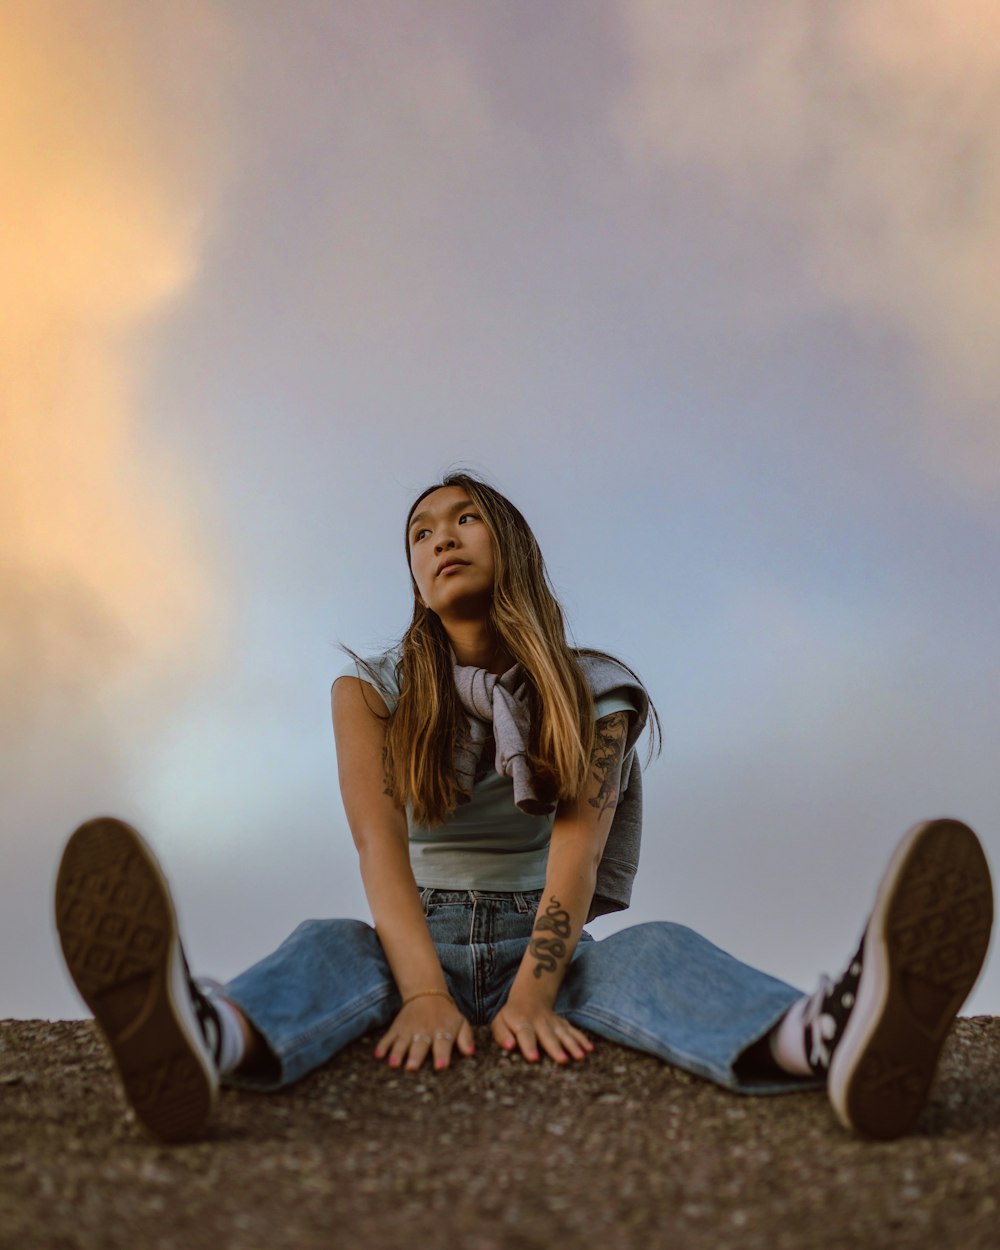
620 1151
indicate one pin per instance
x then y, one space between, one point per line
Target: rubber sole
119 937
923 950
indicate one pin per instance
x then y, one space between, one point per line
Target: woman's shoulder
605 672
614 686
380 671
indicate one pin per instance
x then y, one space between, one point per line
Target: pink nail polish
393 1061
439 1064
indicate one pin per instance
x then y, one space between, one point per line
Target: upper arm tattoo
387 781
606 760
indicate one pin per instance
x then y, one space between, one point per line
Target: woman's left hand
524 1022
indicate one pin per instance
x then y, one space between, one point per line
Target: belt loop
519 901
425 896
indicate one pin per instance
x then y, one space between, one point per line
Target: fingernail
439 1064
393 1061
533 1056
508 1044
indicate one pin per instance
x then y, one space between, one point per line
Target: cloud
107 596
101 575
873 132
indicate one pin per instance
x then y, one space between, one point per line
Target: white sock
231 1044
788 1040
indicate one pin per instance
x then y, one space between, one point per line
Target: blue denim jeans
658 987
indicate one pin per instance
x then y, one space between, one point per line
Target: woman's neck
476 646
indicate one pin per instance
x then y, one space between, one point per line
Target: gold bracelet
427 994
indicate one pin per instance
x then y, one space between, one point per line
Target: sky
708 289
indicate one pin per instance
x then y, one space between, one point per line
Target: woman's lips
453 568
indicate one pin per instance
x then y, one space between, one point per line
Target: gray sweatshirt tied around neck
497 707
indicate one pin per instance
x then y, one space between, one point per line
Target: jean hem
285 1053
639 1039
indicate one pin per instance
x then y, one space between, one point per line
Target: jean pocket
437 902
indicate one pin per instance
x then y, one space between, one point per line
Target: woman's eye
471 515
419 534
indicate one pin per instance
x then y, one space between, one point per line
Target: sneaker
119 936
877 1032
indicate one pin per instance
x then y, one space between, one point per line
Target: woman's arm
579 834
379 830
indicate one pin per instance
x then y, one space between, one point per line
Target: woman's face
451 554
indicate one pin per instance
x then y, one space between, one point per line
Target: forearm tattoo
549 950
606 760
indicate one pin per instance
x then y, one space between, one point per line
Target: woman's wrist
427 994
527 989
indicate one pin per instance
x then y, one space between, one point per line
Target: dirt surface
620 1151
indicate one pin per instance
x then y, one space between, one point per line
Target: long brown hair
526 617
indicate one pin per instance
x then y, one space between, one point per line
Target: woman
489 778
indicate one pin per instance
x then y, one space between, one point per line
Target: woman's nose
444 544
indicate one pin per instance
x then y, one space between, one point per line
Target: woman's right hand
427 1025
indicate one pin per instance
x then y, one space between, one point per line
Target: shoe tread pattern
937 931
939 923
117 928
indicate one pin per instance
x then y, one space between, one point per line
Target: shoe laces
820 1026
203 991
826 1012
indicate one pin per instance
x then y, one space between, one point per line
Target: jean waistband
505 900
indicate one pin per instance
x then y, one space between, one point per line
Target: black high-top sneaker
119 936
877 1032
